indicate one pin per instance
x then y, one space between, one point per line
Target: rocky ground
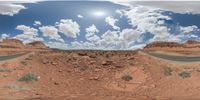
97 75
111 75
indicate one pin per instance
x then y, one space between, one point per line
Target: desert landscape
160 71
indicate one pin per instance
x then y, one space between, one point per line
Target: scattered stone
45 62
54 63
97 70
82 54
92 62
131 58
92 56
118 66
5 75
56 83
152 85
38 93
105 63
94 78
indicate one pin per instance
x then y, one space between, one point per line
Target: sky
104 25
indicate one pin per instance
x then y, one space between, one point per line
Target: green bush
24 63
29 77
168 71
5 70
126 77
185 74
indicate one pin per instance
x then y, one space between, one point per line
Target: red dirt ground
97 75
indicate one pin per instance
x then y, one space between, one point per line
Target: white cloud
147 19
29 34
175 6
91 33
27 30
130 35
188 29
112 22
51 32
92 29
178 6
4 36
59 45
37 23
68 27
10 9
80 16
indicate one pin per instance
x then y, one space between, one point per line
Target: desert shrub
16 87
24 63
83 68
185 74
167 71
29 77
126 77
5 70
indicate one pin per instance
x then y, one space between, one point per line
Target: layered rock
15 43
188 44
163 44
11 43
36 45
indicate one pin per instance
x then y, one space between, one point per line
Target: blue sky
97 24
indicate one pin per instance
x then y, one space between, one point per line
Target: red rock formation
11 43
163 44
36 45
15 43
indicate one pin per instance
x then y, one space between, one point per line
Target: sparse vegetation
29 57
168 71
185 74
24 63
5 70
29 77
83 68
126 77
16 87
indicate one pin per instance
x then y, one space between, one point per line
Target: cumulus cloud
120 40
51 32
189 29
112 22
147 19
174 6
4 36
177 6
37 23
143 20
27 30
68 27
91 33
10 9
59 45
29 34
80 16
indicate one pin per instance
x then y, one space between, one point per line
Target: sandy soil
97 75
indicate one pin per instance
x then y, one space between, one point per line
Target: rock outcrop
11 43
163 44
15 43
188 44
36 45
